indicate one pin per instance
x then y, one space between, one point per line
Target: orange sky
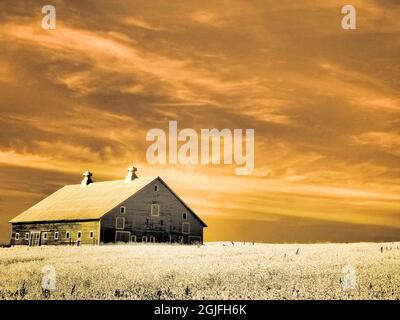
324 103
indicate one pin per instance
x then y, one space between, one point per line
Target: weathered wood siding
62 228
139 221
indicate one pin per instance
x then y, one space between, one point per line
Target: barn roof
74 202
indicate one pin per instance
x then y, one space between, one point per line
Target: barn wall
140 222
62 227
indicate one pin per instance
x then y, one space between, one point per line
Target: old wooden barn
130 210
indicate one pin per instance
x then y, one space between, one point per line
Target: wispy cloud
141 23
383 141
323 101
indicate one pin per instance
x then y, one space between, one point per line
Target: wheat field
210 271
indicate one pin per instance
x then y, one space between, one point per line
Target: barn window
67 235
17 236
91 234
56 235
180 239
27 236
155 209
45 235
79 234
155 187
153 239
185 227
120 223
122 210
161 222
184 216
144 239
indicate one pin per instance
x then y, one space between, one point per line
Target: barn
130 210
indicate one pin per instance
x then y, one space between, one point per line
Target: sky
324 104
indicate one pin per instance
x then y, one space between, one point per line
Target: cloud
323 102
385 141
207 18
6 74
378 103
141 23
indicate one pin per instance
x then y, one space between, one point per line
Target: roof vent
87 179
131 174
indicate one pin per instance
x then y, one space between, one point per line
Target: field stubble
212 271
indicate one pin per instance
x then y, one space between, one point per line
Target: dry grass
213 271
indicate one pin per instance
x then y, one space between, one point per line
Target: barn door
34 239
122 236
